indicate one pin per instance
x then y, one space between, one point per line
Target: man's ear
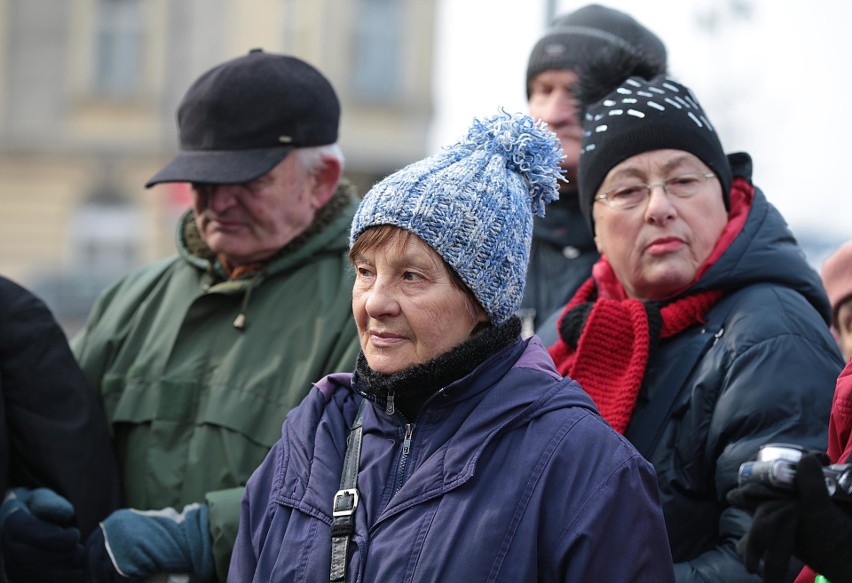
325 181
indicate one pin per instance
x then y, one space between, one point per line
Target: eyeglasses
681 186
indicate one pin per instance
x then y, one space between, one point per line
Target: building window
377 55
118 47
105 243
106 232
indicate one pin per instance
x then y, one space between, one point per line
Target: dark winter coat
510 475
762 369
561 258
53 431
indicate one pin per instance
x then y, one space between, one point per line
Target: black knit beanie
640 116
574 37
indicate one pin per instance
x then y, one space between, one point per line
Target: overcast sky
771 74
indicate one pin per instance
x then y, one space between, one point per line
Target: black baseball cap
241 118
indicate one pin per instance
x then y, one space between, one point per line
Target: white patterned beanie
639 116
473 203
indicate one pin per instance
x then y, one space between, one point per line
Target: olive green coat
195 402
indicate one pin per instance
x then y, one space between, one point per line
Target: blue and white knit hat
473 204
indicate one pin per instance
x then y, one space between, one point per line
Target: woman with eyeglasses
702 333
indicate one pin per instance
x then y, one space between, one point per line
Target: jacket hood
505 405
765 251
326 236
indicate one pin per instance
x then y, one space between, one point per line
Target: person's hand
767 546
134 544
803 521
38 539
824 534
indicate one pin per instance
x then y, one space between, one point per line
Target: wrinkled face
552 100
844 328
657 247
406 307
251 221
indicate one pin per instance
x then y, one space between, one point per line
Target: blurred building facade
88 94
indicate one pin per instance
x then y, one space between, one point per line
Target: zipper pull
389 408
406 443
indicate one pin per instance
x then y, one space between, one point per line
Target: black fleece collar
413 386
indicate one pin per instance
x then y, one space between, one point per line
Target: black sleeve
53 431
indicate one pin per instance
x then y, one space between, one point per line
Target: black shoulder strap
346 500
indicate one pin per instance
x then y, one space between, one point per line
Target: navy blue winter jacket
761 369
510 475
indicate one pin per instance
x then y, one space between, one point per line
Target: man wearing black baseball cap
199 357
563 250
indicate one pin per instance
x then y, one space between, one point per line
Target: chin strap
346 500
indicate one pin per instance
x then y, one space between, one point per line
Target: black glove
38 541
824 534
803 521
769 542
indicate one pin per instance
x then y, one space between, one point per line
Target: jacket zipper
403 459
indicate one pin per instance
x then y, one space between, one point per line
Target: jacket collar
407 390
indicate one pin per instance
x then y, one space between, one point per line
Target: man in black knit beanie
563 250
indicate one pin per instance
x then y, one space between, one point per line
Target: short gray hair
312 157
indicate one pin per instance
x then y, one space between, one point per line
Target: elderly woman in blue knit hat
702 333
455 451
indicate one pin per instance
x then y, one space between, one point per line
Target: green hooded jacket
197 372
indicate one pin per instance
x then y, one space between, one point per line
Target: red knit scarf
612 352
611 355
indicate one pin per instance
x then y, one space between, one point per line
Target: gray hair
312 158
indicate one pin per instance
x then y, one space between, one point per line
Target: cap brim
220 166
